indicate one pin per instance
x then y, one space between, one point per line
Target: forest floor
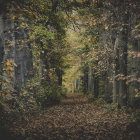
75 118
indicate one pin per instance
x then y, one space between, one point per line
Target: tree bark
90 81
96 87
116 72
134 85
59 75
123 65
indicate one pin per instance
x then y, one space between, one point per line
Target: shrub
47 95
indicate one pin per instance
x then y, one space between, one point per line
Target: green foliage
111 107
41 33
91 97
101 100
23 103
137 95
44 93
134 114
47 96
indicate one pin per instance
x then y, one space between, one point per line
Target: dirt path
75 119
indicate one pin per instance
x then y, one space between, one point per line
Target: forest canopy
46 37
83 56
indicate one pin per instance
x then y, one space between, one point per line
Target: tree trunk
116 72
13 47
134 86
96 87
9 47
59 75
1 44
123 65
90 81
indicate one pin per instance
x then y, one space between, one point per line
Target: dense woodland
74 54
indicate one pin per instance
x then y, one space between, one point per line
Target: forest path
75 118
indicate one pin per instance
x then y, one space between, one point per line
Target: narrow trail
75 118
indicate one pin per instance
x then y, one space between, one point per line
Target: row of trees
110 57
34 47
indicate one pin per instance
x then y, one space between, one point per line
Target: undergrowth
134 113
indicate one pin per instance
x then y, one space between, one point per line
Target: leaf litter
75 118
